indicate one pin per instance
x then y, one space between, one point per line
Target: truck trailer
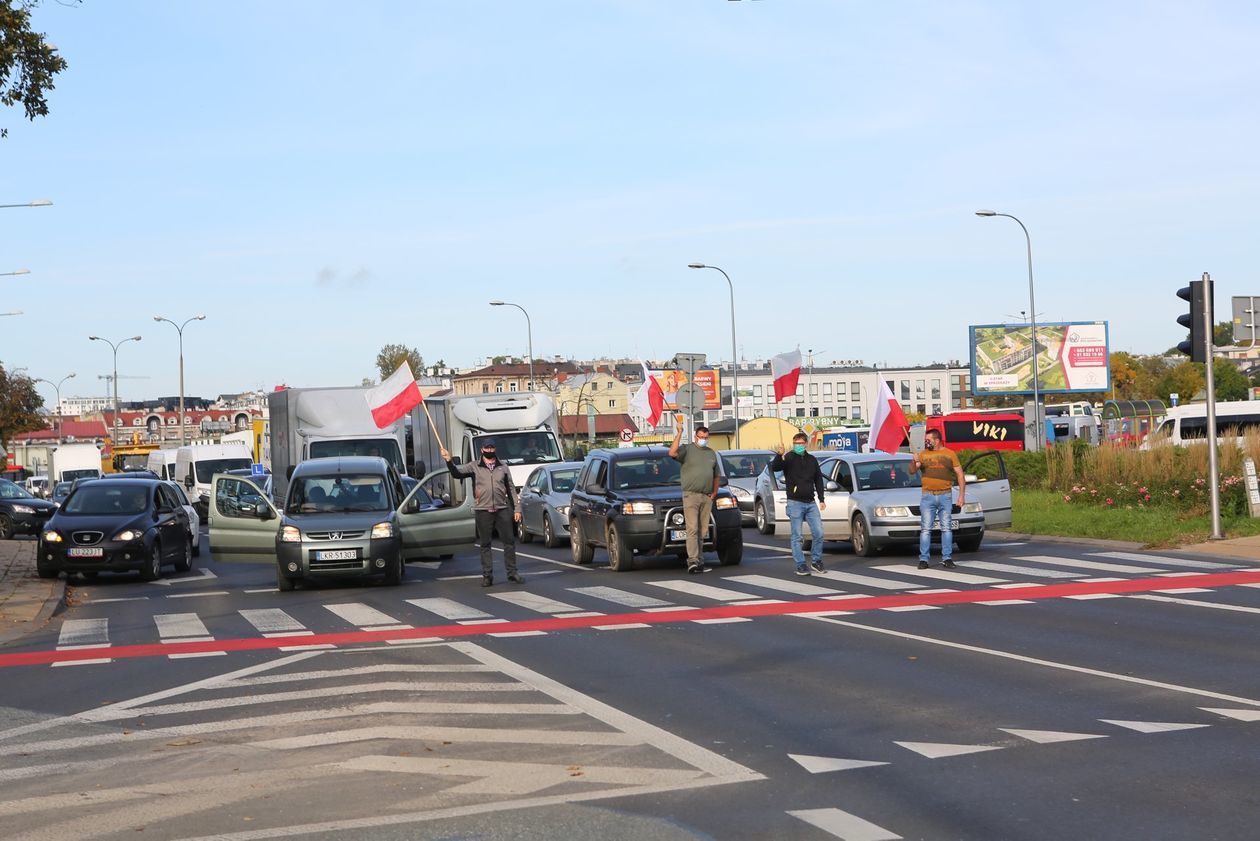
67 462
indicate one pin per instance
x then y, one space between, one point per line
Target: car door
239 533
172 523
531 501
442 530
988 485
839 481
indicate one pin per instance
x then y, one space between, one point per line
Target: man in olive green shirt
699 477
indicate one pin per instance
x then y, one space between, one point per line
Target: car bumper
372 557
29 523
907 529
647 534
114 557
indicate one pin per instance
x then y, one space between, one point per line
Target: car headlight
51 537
290 534
972 508
892 511
742 493
562 509
127 535
383 530
725 502
23 509
638 508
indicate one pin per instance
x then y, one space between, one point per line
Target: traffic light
1199 294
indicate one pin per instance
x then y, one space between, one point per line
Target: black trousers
488 522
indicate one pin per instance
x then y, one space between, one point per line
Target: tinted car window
343 492
562 480
209 467
874 475
745 467
8 490
95 498
646 472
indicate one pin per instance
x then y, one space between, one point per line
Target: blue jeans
941 508
807 512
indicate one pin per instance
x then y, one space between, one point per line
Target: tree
1231 384
392 356
1185 379
1223 333
28 62
19 407
1124 375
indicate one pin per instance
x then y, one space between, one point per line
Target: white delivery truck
162 462
310 423
196 464
67 462
521 425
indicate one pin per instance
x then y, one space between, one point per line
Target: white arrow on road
936 750
823 764
200 575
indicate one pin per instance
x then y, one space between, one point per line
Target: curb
55 603
1125 545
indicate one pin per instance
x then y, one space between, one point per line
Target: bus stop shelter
1128 422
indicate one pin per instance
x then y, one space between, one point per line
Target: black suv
630 500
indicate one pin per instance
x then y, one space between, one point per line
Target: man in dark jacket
803 480
495 506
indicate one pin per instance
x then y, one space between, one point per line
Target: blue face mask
702 442
799 449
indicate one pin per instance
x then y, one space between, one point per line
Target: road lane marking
1165 560
939 750
1153 726
1020 569
704 591
1049 737
197 595
1078 563
184 628
782 585
1195 603
826 764
621 597
364 616
841 824
537 603
272 620
871 581
83 632
449 609
943 574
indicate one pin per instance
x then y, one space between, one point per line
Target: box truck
67 462
522 427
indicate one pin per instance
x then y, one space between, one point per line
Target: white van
162 462
196 465
1188 424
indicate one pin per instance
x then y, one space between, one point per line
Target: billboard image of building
1071 357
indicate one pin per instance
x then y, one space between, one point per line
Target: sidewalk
1244 548
26 600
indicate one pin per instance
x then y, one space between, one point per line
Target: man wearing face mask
803 480
940 467
699 478
495 507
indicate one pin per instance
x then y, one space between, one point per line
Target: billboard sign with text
1071 357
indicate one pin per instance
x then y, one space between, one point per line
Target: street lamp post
734 351
113 433
529 330
179 328
56 387
16 272
1032 314
36 203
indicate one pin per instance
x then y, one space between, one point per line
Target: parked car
343 517
20 511
116 525
263 481
545 503
194 518
37 486
742 467
630 500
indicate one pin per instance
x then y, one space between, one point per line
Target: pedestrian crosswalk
307 618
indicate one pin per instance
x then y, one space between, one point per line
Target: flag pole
432 426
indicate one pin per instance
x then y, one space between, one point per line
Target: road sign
1246 329
690 398
257 470
627 437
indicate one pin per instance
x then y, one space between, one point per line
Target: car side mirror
263 511
970 477
420 471
188 481
723 481
832 485
411 506
597 490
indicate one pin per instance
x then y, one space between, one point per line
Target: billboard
709 380
1071 357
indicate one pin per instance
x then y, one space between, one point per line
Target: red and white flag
650 399
888 427
785 370
393 399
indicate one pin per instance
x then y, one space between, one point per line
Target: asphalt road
1040 691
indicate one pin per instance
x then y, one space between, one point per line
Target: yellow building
603 392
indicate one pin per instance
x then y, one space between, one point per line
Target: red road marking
560 623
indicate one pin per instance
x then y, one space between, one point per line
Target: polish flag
393 399
785 369
650 399
889 426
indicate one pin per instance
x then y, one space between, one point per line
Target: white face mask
702 442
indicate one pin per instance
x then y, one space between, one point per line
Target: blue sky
321 178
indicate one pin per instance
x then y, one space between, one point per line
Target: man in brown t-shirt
939 467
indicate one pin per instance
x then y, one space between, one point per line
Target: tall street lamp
14 312
529 329
113 433
734 352
57 387
1032 313
36 203
13 273
179 328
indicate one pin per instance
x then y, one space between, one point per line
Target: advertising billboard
1071 357
710 381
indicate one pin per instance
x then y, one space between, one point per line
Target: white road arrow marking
936 750
1241 715
824 764
1153 726
1047 737
841 824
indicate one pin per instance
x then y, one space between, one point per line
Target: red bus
980 430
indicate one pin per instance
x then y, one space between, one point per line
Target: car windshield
648 472
97 498
62 489
877 475
8 490
520 447
337 494
386 448
562 481
207 468
744 466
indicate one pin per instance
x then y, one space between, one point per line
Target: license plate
337 555
953 524
85 552
677 534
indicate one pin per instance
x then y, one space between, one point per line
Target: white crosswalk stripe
364 616
274 622
783 585
941 574
871 581
83 633
1023 569
184 627
703 591
537 603
1079 563
621 597
450 609
1164 560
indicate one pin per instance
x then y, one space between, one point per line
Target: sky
322 178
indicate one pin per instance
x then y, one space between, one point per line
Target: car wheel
862 546
46 571
185 563
6 527
764 526
731 552
523 536
968 544
549 533
394 574
153 567
284 584
620 555
583 553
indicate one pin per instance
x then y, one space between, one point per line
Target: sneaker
924 565
696 569
486 580
515 578
818 567
949 564
802 570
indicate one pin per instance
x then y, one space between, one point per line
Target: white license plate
337 555
85 552
677 534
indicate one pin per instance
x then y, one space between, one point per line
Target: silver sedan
545 503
